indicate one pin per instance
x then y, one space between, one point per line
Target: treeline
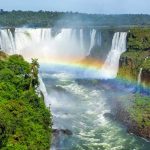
25 122
139 39
69 19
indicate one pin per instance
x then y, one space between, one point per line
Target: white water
42 88
110 68
139 76
76 106
81 39
25 39
39 43
80 108
64 46
7 42
99 39
92 43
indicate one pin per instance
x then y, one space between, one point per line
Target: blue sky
88 6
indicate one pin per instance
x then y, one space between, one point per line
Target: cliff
136 117
137 57
25 122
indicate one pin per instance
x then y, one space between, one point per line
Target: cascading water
46 34
76 105
39 43
92 43
110 68
99 39
26 38
79 108
139 76
81 39
7 42
42 88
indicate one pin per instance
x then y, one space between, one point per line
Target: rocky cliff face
3 56
145 77
141 128
134 66
137 56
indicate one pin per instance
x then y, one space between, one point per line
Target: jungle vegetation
136 57
69 19
25 122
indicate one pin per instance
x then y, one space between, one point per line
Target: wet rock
59 88
3 56
67 132
109 116
56 132
123 116
145 77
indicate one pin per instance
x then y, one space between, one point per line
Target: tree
34 73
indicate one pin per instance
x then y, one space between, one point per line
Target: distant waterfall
139 76
25 38
110 68
81 39
66 45
99 39
7 42
39 43
46 34
92 43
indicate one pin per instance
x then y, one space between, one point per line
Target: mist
38 43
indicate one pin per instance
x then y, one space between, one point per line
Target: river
79 105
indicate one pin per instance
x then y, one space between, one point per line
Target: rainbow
90 65
94 66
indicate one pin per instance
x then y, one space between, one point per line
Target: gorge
85 75
72 44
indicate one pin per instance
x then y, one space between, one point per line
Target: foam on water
81 109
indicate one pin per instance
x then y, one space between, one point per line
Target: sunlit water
79 106
76 105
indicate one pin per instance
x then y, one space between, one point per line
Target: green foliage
34 73
139 39
140 111
131 62
25 122
68 19
146 64
18 65
136 57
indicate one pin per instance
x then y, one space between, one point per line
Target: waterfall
81 39
99 39
7 42
110 67
39 43
46 34
27 37
64 46
42 88
139 76
92 43
22 38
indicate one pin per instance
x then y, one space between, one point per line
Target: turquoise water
80 107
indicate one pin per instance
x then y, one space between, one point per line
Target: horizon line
73 12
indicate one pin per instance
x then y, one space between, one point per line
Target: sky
85 6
